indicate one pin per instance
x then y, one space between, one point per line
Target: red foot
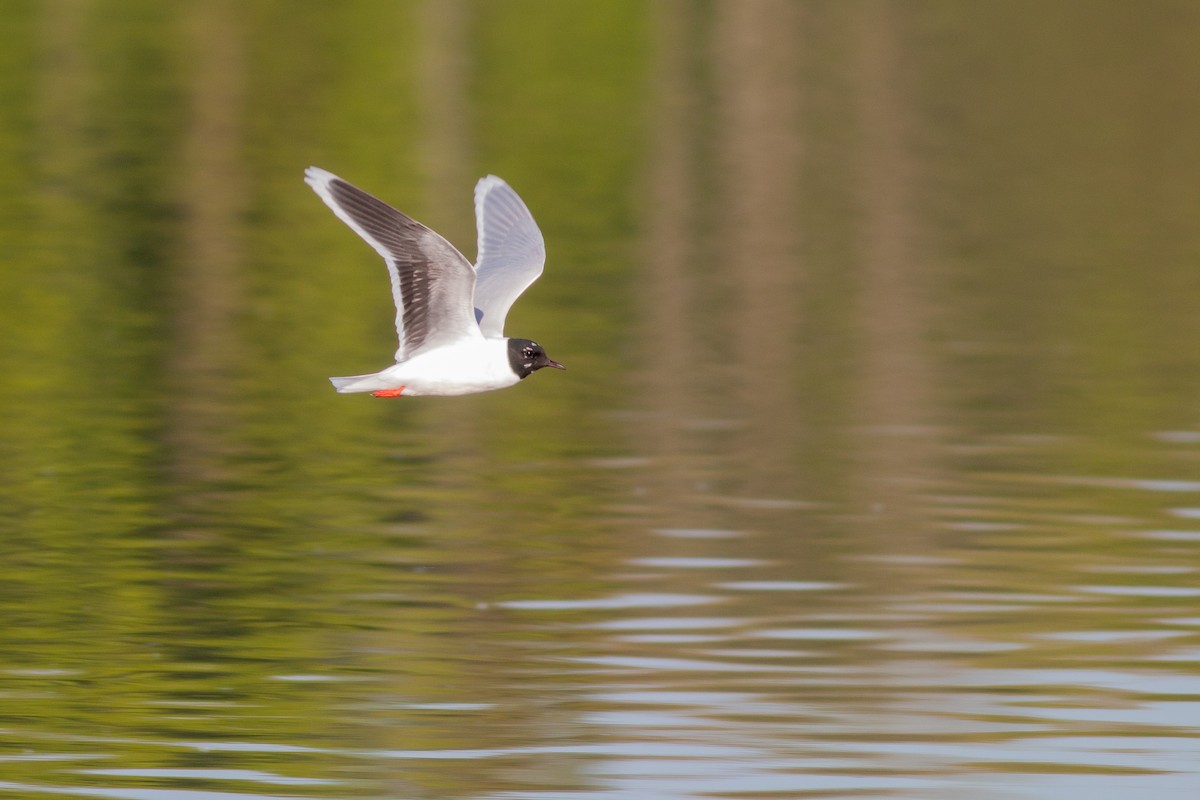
388 392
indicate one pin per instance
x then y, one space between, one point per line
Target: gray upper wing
432 283
512 253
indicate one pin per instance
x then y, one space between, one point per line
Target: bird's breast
477 366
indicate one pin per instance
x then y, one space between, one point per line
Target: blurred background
875 472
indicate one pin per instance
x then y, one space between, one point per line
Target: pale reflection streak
672 254
447 153
759 148
722 271
207 289
894 399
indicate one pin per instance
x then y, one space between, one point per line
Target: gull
449 314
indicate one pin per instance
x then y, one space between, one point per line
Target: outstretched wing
511 252
432 283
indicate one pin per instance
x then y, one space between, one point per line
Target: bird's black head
526 357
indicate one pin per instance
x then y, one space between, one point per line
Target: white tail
358 383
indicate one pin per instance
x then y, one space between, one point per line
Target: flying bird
449 314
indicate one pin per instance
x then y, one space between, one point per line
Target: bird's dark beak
555 364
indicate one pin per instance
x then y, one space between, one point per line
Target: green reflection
880 314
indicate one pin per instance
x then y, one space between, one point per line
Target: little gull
449 315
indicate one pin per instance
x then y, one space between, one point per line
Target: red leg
388 392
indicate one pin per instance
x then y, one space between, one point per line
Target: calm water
876 472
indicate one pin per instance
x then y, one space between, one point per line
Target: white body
474 366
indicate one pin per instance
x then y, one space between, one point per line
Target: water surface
875 473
